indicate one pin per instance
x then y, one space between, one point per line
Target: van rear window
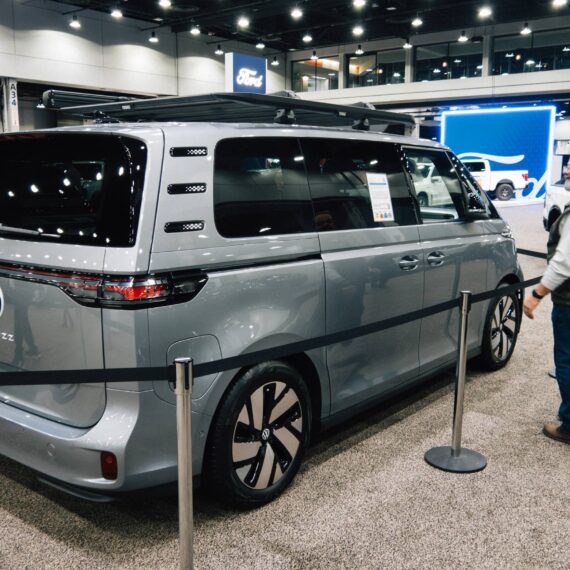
71 188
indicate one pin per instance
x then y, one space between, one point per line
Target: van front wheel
259 435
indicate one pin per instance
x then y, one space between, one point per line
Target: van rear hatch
64 198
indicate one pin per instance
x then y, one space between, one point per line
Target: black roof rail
56 99
282 108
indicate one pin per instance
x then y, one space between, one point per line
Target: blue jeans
561 328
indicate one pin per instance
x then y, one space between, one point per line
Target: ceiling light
530 62
391 8
396 74
444 64
219 50
559 3
259 45
463 38
296 13
407 44
437 70
359 50
195 30
332 74
243 22
314 57
275 61
359 3
153 39
75 23
116 13
307 38
457 61
566 49
518 57
510 54
526 30
485 12
417 22
357 30
164 3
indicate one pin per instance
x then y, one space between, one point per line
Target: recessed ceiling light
314 57
259 45
296 13
275 61
195 30
164 3
307 38
485 12
243 22
463 38
116 13
219 50
357 30
153 39
417 22
526 30
75 23
358 3
559 3
359 50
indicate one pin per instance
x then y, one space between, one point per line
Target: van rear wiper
13 230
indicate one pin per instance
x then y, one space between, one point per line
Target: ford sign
246 73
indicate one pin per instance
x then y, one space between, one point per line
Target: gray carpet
364 498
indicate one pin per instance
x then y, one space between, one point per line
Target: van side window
357 184
260 188
438 189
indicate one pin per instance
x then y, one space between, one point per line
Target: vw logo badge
1 302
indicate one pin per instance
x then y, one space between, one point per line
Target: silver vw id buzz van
128 244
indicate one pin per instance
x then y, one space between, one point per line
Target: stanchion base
463 461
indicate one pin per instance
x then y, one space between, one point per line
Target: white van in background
499 184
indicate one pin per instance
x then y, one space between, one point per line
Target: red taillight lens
109 467
135 289
525 176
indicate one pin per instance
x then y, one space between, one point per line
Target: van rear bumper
138 427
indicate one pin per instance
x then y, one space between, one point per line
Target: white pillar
10 114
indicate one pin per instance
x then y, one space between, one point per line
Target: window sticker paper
380 199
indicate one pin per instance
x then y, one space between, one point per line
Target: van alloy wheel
267 435
504 328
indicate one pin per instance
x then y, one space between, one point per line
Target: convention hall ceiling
326 22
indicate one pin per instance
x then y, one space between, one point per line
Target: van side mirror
476 208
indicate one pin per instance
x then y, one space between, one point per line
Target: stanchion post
455 458
184 381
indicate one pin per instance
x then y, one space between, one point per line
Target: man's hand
530 304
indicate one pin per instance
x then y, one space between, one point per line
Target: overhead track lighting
219 50
307 38
485 12
359 50
296 13
314 57
275 61
357 30
526 30
463 38
417 22
153 39
243 22
75 23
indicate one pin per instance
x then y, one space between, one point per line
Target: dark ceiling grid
329 22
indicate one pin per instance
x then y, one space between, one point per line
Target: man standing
556 280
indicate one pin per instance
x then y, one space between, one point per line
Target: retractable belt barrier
157 373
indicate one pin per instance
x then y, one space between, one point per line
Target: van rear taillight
121 292
525 176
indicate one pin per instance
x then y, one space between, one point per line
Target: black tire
259 435
504 192
501 332
423 200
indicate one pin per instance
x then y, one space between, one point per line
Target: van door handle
436 258
408 263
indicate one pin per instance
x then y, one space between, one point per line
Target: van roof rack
282 108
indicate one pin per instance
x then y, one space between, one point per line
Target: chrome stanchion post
455 458
184 381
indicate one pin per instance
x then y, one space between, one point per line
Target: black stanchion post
458 459
184 381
